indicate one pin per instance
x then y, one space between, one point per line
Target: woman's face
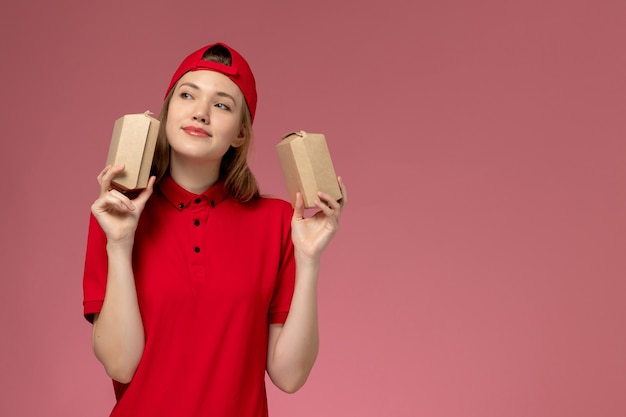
204 117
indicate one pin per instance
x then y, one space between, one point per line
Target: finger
107 176
112 200
101 174
146 193
330 202
298 212
123 200
344 192
327 205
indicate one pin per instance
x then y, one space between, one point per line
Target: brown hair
234 170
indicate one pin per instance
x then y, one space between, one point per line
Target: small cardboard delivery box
307 167
132 144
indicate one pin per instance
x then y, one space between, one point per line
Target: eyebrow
219 93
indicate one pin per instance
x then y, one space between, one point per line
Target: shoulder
267 205
267 210
272 203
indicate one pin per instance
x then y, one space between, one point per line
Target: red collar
181 198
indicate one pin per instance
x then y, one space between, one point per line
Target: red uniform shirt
211 275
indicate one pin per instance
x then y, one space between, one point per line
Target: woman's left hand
311 235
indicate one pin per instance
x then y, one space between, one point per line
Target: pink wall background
481 265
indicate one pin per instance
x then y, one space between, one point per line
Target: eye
185 95
222 106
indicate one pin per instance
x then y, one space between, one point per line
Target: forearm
297 344
293 347
118 334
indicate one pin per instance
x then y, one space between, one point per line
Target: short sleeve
285 282
95 272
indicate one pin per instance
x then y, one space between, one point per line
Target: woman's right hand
116 213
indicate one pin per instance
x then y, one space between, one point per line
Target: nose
201 115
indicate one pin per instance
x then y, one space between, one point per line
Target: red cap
239 72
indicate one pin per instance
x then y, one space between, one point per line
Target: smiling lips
196 131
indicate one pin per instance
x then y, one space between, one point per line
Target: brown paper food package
307 167
132 144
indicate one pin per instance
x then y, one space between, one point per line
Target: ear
241 138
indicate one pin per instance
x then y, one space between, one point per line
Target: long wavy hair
234 170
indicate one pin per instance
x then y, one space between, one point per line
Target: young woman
198 286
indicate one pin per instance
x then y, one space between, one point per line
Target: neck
194 177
